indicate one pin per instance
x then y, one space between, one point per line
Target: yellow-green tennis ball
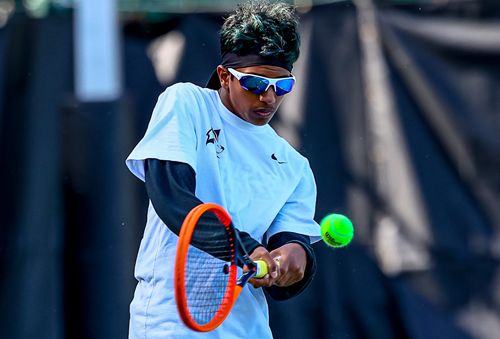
336 230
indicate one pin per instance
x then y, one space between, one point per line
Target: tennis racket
206 287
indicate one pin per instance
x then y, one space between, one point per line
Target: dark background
424 260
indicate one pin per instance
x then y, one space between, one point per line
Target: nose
269 96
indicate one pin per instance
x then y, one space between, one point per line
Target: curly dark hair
273 25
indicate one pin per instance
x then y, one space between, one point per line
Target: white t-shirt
266 186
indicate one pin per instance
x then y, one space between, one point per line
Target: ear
224 77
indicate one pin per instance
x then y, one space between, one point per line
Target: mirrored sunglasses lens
284 86
254 84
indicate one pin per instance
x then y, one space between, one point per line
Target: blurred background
397 107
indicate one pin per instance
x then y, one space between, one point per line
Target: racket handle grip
262 268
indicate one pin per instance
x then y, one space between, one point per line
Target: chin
260 122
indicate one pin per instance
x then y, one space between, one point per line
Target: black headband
253 58
233 60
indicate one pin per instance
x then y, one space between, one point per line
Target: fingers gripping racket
206 287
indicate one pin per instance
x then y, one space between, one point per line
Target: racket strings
210 236
206 283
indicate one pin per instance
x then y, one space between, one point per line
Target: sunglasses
258 84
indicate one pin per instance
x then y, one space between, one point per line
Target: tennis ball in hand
336 230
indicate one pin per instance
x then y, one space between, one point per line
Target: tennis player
215 145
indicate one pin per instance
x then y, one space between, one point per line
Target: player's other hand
260 253
293 262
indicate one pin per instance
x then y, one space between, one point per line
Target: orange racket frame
232 290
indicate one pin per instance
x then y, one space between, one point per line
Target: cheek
243 98
236 90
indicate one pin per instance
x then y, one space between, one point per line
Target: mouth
263 112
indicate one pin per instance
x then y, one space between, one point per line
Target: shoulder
188 97
184 99
284 144
186 90
295 158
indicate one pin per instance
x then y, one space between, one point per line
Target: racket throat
249 274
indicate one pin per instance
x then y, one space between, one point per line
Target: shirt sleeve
297 214
171 133
171 187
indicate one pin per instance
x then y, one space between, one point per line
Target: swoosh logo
273 156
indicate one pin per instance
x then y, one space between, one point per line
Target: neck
224 97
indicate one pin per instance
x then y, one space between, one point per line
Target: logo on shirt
273 156
213 138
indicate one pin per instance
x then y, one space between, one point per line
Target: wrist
301 245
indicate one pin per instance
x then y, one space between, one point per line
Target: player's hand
293 262
260 253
